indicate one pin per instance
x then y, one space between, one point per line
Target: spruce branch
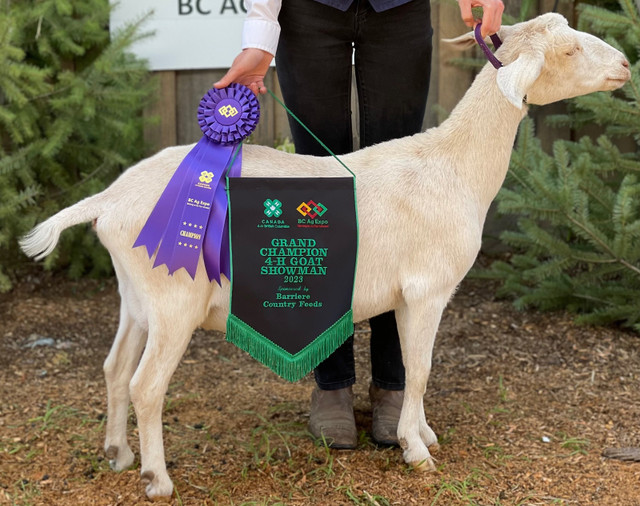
70 119
576 245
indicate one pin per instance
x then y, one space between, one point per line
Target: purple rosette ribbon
191 214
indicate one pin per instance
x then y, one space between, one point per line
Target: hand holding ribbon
191 214
248 68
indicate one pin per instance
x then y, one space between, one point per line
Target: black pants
392 67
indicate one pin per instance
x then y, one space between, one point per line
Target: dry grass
524 404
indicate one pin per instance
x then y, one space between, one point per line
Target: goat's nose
625 64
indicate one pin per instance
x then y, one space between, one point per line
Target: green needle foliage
577 241
70 120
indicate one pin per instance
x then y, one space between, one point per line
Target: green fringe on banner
284 364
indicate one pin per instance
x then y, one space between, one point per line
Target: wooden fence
179 93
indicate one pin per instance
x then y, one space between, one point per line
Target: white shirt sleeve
261 29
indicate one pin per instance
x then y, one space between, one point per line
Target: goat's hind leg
417 324
118 371
167 341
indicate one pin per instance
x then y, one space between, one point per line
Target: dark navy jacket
378 5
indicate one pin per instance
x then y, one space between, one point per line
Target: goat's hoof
424 466
420 459
427 435
434 447
119 459
156 487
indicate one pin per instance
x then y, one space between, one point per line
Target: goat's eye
573 51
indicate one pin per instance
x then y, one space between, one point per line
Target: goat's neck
485 123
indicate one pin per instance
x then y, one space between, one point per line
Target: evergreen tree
577 241
70 120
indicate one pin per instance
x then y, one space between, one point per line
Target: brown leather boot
386 406
332 417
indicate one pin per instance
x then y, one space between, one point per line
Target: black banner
293 257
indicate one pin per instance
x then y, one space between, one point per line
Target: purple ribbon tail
172 225
151 234
180 229
216 246
212 248
190 218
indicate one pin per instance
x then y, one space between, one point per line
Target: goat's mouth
618 81
613 83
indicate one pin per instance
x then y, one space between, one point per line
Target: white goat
422 205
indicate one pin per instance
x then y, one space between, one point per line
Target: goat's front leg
167 341
418 322
118 371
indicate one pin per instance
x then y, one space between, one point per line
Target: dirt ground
524 404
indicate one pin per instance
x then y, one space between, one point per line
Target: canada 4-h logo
272 208
311 209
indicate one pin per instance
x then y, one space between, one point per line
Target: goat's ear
504 32
515 79
468 39
462 42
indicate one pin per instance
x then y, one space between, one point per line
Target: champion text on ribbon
190 216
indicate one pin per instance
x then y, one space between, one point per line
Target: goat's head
545 60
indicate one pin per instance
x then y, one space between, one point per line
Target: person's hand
491 14
248 68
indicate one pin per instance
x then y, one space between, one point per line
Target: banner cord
355 197
308 130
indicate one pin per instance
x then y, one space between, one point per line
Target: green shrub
70 120
577 241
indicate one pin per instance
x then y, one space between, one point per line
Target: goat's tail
42 240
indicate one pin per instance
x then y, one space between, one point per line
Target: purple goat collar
485 49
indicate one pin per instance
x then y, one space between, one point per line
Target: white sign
189 34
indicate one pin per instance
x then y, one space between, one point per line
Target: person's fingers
253 87
465 12
225 80
238 71
491 16
256 86
249 69
233 75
